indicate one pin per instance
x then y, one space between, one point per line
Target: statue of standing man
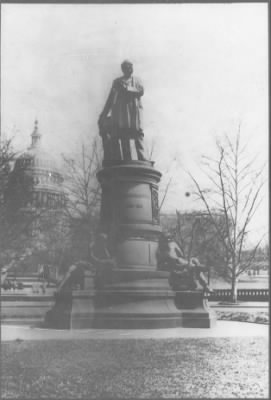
121 118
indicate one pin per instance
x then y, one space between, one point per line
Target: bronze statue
184 274
121 117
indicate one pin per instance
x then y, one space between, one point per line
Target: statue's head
127 68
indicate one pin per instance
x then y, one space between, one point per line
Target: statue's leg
140 146
203 281
126 148
115 149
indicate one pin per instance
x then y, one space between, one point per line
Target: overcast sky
204 68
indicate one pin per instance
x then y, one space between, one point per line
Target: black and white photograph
134 201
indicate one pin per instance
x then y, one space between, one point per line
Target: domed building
35 199
38 177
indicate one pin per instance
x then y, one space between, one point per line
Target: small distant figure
43 287
121 118
4 275
44 272
35 288
14 285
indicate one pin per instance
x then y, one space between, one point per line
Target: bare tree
10 229
150 149
167 182
83 194
235 189
7 157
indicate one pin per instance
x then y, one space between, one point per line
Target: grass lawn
248 316
176 368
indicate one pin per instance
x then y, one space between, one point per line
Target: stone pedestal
130 212
194 308
135 294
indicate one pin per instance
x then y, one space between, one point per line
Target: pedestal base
59 317
121 309
195 310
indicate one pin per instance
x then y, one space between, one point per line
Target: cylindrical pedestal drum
130 213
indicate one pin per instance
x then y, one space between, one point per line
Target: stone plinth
130 212
135 294
130 308
194 309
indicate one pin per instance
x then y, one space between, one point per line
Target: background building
37 172
35 199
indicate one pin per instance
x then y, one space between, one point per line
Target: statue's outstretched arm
137 90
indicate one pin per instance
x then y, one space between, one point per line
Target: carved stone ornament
155 205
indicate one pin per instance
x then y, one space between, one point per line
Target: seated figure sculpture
184 274
74 277
121 118
100 265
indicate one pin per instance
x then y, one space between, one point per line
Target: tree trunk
233 289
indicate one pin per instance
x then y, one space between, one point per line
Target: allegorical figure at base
100 264
74 277
184 274
121 119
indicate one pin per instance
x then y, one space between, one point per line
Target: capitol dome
37 170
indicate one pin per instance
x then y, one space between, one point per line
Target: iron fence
242 294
